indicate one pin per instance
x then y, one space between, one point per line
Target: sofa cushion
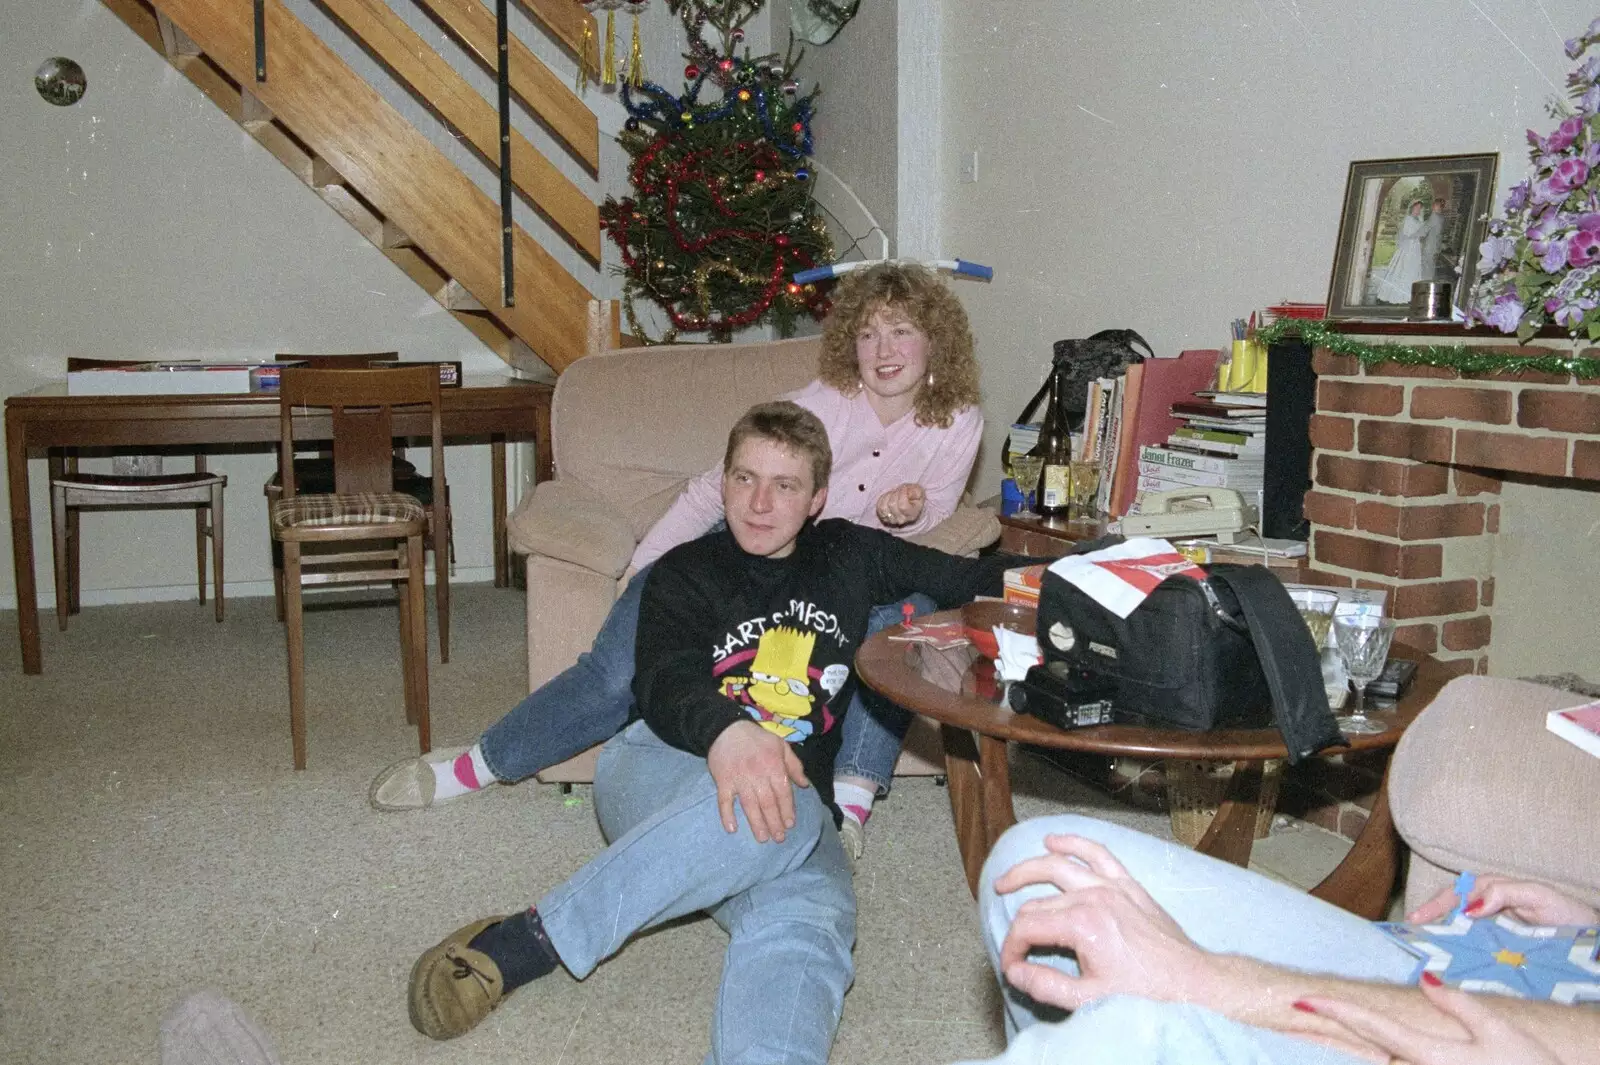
635 424
567 521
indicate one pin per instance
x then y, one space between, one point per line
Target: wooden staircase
335 132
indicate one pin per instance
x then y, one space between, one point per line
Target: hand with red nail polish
1489 1037
1525 900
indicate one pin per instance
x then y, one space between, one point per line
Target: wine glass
1084 490
1363 643
1025 470
1316 609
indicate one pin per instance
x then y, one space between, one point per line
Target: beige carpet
157 842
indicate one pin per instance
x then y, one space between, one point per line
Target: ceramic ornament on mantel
605 71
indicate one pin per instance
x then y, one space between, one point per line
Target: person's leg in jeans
870 739
584 705
1122 1030
789 907
1222 907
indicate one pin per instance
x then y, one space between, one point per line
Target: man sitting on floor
717 797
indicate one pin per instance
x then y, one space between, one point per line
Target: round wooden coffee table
957 690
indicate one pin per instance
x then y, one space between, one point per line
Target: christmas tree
721 215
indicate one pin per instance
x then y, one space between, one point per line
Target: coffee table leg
1363 882
1233 831
979 778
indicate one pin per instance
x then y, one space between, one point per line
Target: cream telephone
1191 512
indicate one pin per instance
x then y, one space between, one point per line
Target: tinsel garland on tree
721 214
1456 357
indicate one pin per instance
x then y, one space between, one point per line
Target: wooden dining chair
136 482
314 476
363 507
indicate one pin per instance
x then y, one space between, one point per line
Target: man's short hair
787 423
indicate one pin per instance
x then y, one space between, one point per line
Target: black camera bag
1229 651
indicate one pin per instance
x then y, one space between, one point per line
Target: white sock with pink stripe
854 801
461 774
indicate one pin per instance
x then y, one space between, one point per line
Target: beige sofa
1478 784
629 428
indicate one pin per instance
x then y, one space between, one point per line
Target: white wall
1168 166
143 223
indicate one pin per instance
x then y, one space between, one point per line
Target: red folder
1166 381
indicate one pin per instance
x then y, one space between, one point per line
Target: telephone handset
1191 512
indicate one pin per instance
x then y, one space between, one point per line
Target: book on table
1578 725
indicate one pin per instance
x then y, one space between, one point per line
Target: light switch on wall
969 167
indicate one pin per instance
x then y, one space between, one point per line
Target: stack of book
1220 443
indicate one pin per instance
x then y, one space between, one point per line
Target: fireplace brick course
1406 467
1490 406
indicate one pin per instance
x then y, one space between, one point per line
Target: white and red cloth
1120 577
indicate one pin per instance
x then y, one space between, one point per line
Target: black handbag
1229 651
1106 354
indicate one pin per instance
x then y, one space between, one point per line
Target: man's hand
1125 943
902 505
1524 900
1490 1039
756 767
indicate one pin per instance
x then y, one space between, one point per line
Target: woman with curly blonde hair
897 391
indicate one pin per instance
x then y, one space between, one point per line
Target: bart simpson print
778 684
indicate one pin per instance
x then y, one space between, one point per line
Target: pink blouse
869 458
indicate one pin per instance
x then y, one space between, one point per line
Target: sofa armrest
964 532
564 520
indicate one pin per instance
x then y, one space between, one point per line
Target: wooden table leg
978 775
22 546
497 506
966 801
1232 832
1364 881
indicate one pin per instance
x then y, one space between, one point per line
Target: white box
196 379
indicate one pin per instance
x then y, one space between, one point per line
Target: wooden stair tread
345 122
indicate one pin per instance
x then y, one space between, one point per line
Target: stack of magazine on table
1220 443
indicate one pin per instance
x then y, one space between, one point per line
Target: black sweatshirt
725 636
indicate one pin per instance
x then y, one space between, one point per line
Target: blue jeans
874 728
583 705
789 908
1224 909
588 703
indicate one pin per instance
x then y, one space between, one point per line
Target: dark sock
521 948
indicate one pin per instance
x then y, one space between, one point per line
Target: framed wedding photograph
1409 220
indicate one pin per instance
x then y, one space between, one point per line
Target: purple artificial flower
1589 222
1564 135
1504 313
1583 249
1495 251
1571 314
1517 198
1590 102
1546 193
1568 175
1574 47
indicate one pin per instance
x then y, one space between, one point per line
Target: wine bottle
1055 448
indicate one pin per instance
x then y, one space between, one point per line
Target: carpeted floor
157 842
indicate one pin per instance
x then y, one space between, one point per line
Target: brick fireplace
1407 468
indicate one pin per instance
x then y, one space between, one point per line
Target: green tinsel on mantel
1458 357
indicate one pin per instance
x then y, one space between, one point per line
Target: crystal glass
1363 643
1084 489
1316 608
1025 470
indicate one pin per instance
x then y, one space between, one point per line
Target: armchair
630 427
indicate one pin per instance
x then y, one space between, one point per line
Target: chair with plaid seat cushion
313 475
380 530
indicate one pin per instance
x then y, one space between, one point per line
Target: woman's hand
1490 1039
1524 900
902 505
1125 943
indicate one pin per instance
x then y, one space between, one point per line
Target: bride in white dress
1392 283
